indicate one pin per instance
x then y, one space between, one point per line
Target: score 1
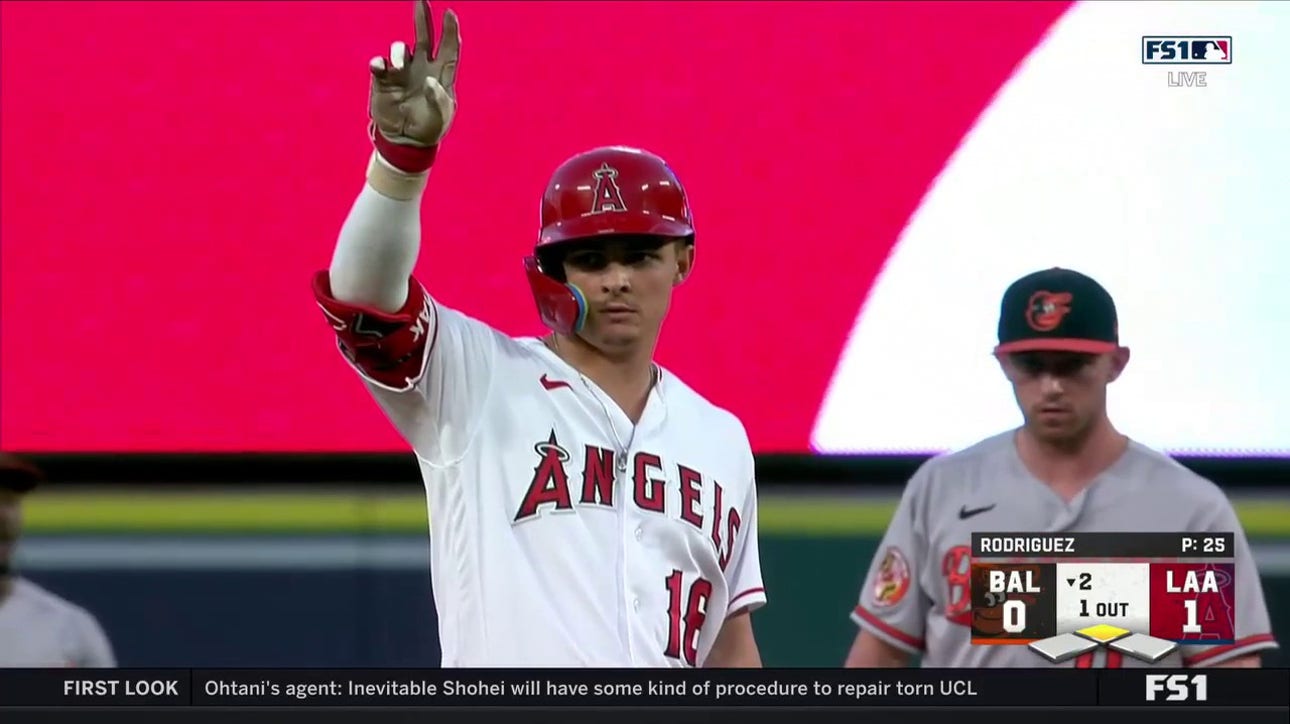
1193 603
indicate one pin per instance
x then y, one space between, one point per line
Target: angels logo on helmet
607 197
577 206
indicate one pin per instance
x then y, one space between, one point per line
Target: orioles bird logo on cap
607 197
1046 310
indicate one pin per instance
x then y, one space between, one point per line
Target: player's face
10 527
628 285
1062 394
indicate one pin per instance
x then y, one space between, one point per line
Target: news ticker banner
1141 594
637 688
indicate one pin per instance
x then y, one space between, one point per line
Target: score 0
1004 582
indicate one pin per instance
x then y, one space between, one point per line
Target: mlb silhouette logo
1186 50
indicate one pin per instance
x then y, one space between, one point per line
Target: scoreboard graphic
1141 594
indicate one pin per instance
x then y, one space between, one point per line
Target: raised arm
383 319
429 367
412 104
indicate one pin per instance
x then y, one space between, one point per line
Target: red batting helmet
613 190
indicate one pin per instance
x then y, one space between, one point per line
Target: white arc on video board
1172 197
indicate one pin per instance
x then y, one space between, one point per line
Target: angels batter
588 509
1066 469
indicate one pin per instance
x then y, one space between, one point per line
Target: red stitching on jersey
749 592
888 629
1220 650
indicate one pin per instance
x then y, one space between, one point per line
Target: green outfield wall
170 511
814 549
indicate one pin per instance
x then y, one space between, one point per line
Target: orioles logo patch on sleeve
892 581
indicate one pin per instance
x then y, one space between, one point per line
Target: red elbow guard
387 348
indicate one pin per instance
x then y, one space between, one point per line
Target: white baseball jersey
41 630
560 536
916 594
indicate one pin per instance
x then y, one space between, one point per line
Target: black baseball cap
18 475
1057 310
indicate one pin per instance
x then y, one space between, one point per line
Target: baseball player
1066 469
587 507
37 628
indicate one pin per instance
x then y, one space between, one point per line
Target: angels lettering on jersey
551 490
562 533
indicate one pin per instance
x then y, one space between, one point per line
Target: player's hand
413 99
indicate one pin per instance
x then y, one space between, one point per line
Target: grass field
300 513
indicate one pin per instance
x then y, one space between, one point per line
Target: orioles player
39 629
1066 469
587 507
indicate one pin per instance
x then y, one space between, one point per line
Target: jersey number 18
684 624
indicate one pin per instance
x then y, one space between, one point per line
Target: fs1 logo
1178 687
1186 50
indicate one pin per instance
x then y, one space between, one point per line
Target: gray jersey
916 595
41 630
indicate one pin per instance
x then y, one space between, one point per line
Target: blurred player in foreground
1065 469
588 508
37 628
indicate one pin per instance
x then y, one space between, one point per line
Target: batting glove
413 100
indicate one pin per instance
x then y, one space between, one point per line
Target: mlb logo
1187 50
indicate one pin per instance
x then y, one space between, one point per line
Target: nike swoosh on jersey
550 384
966 512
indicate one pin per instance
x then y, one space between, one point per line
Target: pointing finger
425 28
450 43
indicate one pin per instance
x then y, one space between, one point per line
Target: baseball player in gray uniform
37 628
1066 469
